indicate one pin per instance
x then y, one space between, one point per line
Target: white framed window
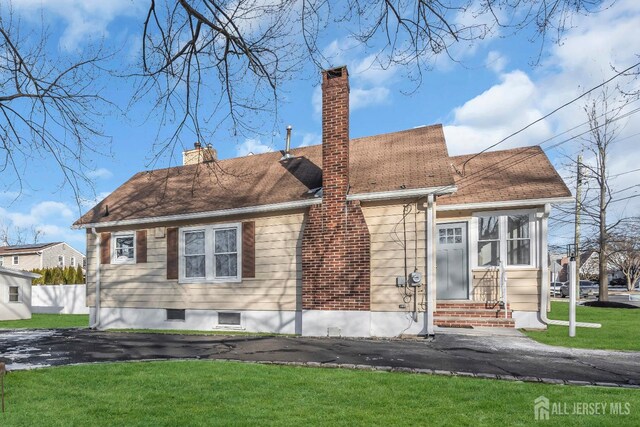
505 236
60 260
14 294
1 261
210 253
72 261
16 260
488 241
123 248
518 240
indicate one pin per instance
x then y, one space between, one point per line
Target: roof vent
287 150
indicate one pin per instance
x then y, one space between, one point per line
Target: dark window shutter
172 253
249 249
141 246
105 248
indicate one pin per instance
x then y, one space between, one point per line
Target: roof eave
202 215
384 195
506 203
403 194
19 273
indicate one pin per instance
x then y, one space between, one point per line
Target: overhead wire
566 104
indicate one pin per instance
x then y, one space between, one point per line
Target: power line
493 166
493 169
549 114
624 198
625 189
627 172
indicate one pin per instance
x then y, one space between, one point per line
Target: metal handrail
503 288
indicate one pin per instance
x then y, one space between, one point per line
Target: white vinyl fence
61 299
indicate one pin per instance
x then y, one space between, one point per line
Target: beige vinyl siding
25 262
387 254
50 255
277 285
523 287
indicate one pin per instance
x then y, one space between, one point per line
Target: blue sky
492 91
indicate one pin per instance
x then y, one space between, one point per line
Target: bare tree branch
48 108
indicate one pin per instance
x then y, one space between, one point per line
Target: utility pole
577 220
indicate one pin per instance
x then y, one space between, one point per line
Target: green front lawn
225 393
48 321
620 328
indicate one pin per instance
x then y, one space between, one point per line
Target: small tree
79 275
625 254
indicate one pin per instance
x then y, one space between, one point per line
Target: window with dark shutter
105 248
249 249
141 246
172 253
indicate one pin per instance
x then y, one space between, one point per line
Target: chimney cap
197 145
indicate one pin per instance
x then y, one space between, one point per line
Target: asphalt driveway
507 357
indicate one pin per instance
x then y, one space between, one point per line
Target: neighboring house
325 240
589 266
15 294
40 255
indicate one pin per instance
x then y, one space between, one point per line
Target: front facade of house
376 236
40 255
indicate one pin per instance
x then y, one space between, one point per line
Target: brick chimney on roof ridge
335 135
335 240
199 154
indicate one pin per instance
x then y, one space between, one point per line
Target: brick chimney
335 136
335 240
199 154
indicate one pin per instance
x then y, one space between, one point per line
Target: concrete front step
472 312
466 322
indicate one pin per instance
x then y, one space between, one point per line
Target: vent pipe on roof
287 150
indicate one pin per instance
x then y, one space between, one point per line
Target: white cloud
253 146
585 58
361 98
496 113
90 203
9 195
370 71
52 217
310 139
358 98
39 213
103 173
84 19
496 61
590 50
369 77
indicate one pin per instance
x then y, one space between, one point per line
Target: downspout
430 265
544 286
96 322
